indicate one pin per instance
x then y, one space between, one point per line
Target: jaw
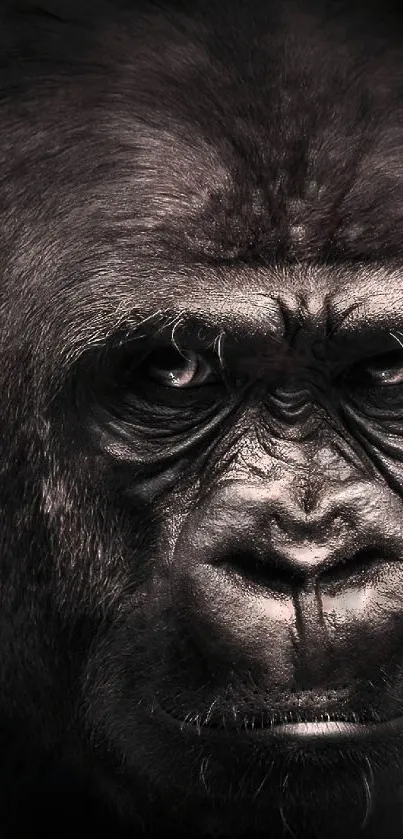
303 777
223 747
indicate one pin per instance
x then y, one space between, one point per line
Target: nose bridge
308 464
317 486
278 510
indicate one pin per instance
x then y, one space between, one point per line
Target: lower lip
306 734
332 731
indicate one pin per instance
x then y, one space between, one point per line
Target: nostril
269 573
360 567
274 574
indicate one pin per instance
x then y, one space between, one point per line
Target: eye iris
173 369
389 377
384 373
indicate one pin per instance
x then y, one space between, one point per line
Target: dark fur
150 155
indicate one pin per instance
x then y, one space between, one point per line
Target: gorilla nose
266 584
288 564
266 535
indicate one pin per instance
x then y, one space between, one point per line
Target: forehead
280 147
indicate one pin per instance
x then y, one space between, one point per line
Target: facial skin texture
201 331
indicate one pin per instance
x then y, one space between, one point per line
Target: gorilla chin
303 779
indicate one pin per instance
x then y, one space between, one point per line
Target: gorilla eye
166 366
383 371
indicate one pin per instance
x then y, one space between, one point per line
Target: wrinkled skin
201 372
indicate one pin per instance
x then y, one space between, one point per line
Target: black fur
153 157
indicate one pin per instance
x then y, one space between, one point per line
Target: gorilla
201 332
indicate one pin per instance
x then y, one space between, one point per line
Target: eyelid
379 371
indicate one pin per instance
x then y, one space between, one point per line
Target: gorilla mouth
293 717
312 725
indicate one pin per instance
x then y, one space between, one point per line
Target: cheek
382 443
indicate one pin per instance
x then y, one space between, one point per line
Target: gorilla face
202 418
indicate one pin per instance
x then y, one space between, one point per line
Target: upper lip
265 718
333 707
308 709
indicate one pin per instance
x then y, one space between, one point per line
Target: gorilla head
202 418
